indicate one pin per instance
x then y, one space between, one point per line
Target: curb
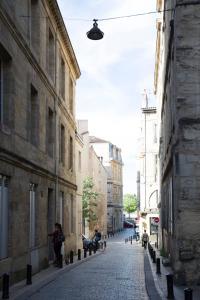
152 288
27 291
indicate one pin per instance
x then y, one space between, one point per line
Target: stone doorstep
21 291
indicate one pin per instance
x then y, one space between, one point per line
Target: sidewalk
21 291
161 282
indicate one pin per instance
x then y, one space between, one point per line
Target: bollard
29 274
79 254
151 253
154 257
85 253
5 287
71 257
90 251
158 266
170 288
188 294
61 261
131 241
104 244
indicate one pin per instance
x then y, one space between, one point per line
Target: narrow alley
117 273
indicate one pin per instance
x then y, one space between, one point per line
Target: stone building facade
177 87
38 72
79 147
147 179
110 156
91 166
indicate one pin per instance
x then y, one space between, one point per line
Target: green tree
130 203
89 200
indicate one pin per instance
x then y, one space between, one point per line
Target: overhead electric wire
110 18
120 17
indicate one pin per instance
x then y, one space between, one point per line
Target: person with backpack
57 239
145 239
97 238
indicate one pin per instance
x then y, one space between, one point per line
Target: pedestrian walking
145 239
57 239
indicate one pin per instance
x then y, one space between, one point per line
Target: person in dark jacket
57 239
97 238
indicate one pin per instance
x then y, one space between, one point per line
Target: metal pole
158 266
154 256
5 287
71 257
29 274
85 253
188 294
170 288
61 261
79 254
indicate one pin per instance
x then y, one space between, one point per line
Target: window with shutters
35 26
72 213
4 211
62 208
34 117
50 58
71 96
49 132
71 153
6 82
62 144
62 78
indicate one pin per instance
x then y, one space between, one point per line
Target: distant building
110 155
79 148
147 176
91 166
38 72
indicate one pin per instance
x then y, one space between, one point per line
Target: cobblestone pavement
118 273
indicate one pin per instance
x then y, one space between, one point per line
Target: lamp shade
95 33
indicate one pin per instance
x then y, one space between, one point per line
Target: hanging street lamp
95 33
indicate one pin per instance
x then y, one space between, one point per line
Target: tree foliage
89 200
130 203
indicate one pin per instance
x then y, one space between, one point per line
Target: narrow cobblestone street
118 273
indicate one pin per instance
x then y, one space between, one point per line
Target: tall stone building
147 179
110 156
92 167
177 87
79 148
38 72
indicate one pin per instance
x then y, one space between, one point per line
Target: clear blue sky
115 71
